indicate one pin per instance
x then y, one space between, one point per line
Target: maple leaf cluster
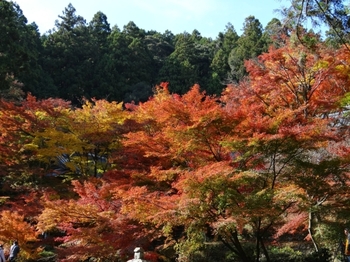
258 162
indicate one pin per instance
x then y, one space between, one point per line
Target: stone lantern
138 255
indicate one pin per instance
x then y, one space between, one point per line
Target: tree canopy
183 145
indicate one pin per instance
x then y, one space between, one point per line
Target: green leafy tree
20 49
69 20
160 47
129 63
188 64
224 44
67 55
274 34
97 84
178 70
332 13
250 44
77 56
37 81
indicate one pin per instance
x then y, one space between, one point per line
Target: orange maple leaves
230 163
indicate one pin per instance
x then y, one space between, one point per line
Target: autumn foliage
264 159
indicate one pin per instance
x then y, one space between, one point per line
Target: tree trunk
264 250
310 230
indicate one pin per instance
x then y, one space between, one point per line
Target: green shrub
321 256
285 254
46 253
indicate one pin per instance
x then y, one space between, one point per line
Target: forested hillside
91 59
195 149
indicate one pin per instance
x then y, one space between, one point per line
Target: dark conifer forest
90 59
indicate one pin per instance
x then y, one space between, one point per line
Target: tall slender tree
225 43
331 13
250 44
189 64
67 55
19 48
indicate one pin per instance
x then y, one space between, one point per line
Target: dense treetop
79 58
190 147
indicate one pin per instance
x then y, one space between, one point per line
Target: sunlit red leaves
148 197
230 200
288 92
191 160
262 124
293 77
93 224
177 126
293 224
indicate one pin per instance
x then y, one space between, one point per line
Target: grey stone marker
138 255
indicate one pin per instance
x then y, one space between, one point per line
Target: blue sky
209 17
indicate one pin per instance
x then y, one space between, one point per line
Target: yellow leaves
100 113
71 165
162 92
40 115
343 68
91 133
288 193
283 117
322 64
31 147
